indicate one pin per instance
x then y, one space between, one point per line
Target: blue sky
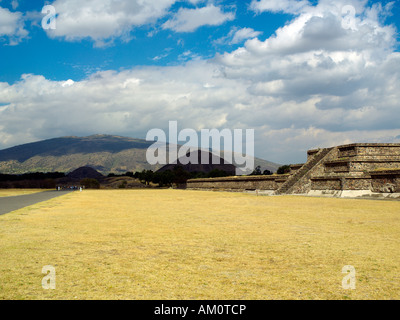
57 59
289 69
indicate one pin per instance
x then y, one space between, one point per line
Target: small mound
213 164
85 172
122 183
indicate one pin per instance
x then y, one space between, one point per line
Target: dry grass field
17 192
168 244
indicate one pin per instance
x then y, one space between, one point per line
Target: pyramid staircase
311 163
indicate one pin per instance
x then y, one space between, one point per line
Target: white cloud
188 20
105 20
237 35
196 2
12 26
287 6
244 34
68 83
312 84
132 101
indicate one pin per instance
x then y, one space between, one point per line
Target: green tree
90 183
216 173
180 175
198 175
164 179
284 169
146 176
256 171
123 185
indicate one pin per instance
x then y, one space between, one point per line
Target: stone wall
347 151
240 183
337 183
326 184
304 185
350 169
311 153
295 167
336 166
361 183
386 181
354 168
378 150
370 165
359 165
369 150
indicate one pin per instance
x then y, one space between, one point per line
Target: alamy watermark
349 17
349 281
50 20
195 150
49 281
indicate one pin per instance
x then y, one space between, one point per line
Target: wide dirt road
8 204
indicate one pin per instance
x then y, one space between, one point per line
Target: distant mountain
199 167
104 153
72 145
84 172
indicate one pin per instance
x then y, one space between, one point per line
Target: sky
302 74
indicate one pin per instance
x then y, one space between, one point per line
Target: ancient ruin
354 170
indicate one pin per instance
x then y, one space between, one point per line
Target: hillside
105 153
217 165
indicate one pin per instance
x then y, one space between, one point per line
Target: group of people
70 188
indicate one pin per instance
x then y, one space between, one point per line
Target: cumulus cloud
312 84
12 26
244 34
238 35
188 20
128 102
105 20
287 6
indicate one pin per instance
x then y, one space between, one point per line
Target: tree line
178 176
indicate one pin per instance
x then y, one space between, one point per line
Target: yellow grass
166 244
17 192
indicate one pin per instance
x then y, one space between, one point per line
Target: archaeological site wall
239 183
352 170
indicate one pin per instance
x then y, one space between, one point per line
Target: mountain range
104 153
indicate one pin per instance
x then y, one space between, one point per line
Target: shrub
90 183
123 185
284 169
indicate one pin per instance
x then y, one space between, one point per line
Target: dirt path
8 204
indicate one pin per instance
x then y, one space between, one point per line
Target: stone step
314 160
